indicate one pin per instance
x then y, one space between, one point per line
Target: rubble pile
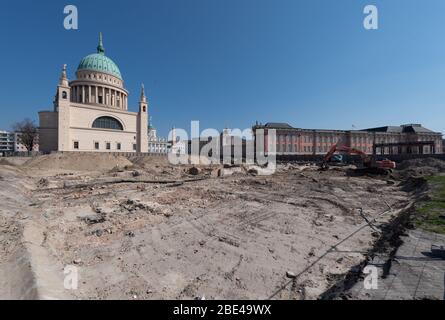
420 167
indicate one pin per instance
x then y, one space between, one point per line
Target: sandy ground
148 230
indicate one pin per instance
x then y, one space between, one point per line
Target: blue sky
231 62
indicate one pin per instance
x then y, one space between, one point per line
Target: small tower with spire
63 93
142 141
63 81
62 106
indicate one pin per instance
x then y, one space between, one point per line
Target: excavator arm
346 149
383 166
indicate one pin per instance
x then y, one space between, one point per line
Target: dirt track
233 237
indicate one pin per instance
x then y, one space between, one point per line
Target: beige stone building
91 112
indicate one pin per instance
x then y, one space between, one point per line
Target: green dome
100 62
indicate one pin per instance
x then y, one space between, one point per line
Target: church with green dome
90 113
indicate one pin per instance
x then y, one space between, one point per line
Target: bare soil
144 229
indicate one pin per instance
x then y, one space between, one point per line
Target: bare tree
27 133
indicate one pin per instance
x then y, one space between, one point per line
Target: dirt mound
78 162
5 162
149 161
415 184
421 167
426 162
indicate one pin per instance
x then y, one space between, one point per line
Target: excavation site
141 228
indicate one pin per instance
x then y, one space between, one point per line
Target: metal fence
20 153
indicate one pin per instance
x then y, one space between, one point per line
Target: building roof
278 125
416 128
100 62
406 128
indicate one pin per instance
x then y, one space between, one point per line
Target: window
143 108
76 145
108 146
118 146
64 95
134 146
96 145
101 100
107 123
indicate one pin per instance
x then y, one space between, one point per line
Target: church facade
91 112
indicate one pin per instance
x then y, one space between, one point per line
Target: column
89 95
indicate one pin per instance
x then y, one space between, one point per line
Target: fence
20 153
122 154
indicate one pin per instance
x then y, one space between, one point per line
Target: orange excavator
369 164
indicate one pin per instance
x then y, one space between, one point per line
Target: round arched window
107 123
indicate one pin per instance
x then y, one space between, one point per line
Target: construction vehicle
368 163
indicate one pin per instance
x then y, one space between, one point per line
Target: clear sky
231 62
